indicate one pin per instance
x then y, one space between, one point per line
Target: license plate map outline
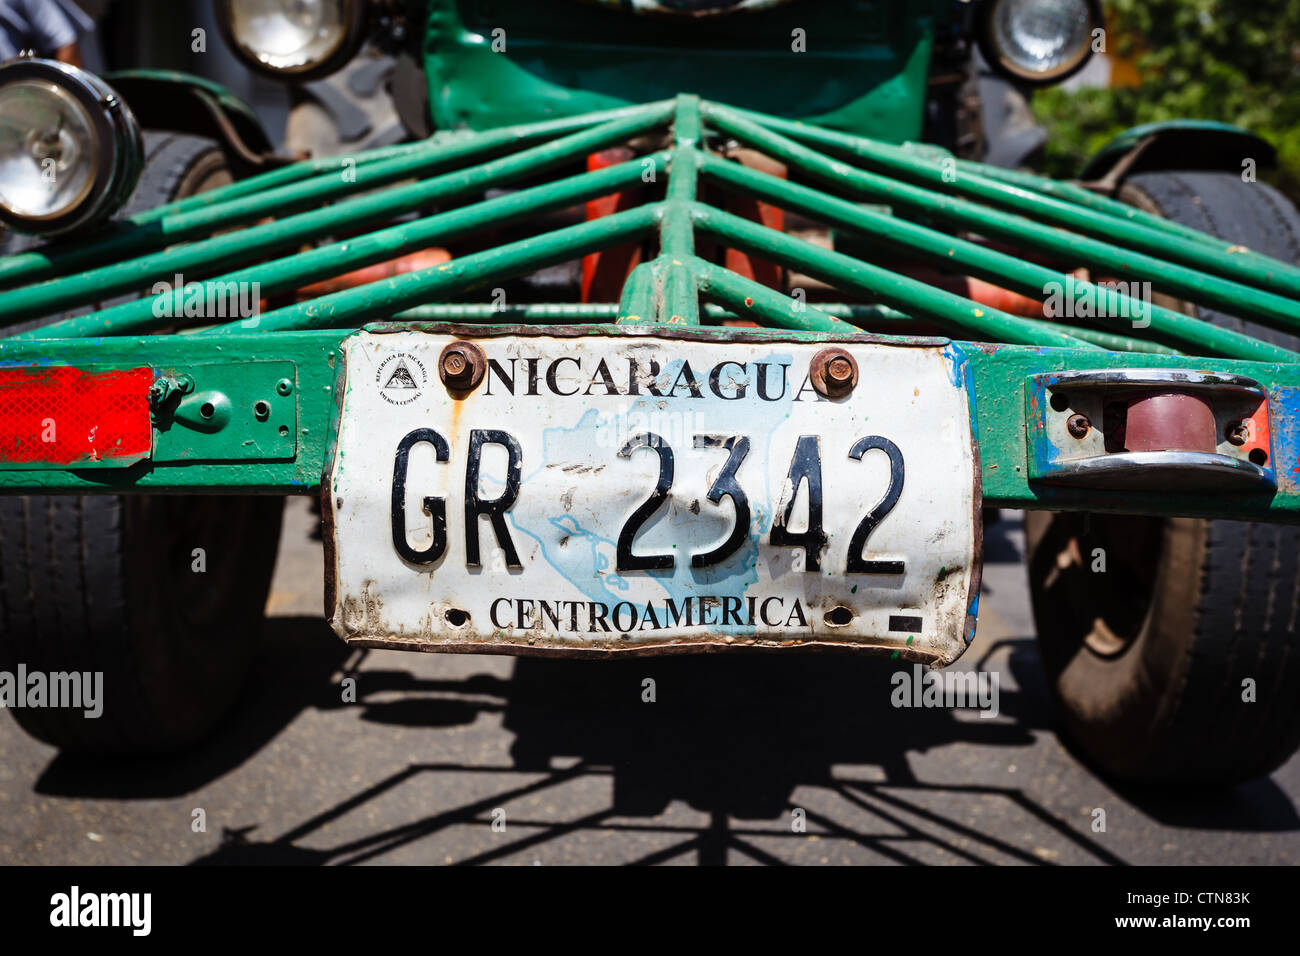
570 457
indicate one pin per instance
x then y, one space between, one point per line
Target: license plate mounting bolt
834 372
461 366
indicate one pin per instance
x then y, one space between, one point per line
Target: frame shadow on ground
731 736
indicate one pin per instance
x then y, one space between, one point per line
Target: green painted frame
862 65
921 201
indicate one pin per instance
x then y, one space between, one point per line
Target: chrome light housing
70 149
293 39
1038 41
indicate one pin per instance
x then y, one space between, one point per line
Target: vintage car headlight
70 150
1038 41
293 39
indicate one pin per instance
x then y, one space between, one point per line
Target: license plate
625 491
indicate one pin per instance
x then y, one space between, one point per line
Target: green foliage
1237 61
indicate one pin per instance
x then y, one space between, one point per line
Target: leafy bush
1237 61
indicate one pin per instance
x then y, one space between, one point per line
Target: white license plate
606 491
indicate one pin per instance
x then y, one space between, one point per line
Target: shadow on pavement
291 673
731 737
1000 546
1260 806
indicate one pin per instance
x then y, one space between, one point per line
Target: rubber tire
1222 604
110 584
177 165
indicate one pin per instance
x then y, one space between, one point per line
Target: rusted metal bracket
1150 429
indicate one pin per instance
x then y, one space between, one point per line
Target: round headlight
293 39
1038 41
70 150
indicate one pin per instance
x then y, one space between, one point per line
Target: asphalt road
572 766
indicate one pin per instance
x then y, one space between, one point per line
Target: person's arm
69 53
53 33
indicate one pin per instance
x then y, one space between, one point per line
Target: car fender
1175 145
184 103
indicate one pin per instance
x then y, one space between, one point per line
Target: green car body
856 65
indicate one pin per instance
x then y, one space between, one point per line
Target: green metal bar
1081 196
677 234
534 313
132 241
249 245
872 317
639 304
862 316
854 313
681 301
1247 268
749 298
991 265
332 165
295 172
910 295
999 374
862 148
291 272
1111 341
272 179
379 300
845 144
681 305
1266 308
580 312
315 357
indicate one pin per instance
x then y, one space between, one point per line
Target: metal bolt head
461 366
1078 426
1237 433
834 372
838 369
284 386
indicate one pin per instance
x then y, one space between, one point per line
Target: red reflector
67 416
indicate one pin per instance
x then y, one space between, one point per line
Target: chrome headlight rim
354 16
118 146
998 59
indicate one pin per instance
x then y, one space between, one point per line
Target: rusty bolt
1078 426
834 372
461 366
1237 433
